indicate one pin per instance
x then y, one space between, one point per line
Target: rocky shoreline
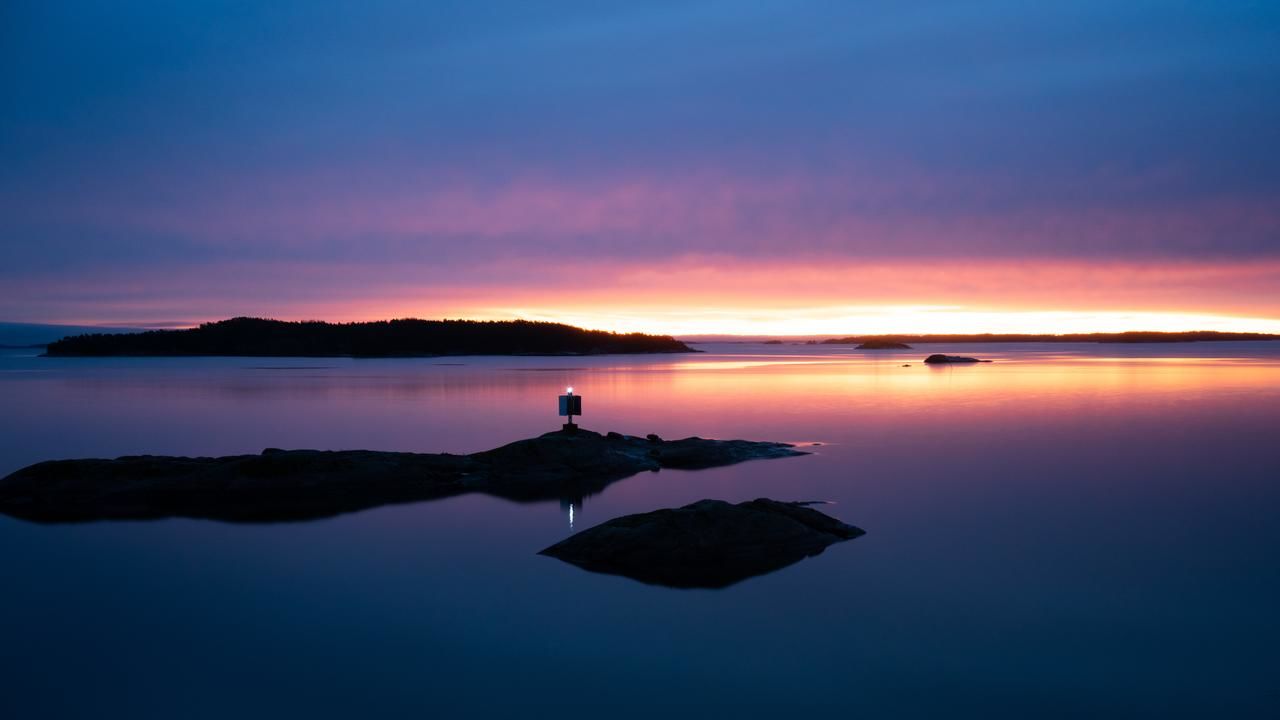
292 485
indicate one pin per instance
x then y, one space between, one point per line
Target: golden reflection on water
829 398
896 383
231 405
746 364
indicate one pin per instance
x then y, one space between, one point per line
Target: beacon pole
570 405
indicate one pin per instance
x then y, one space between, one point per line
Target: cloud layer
192 161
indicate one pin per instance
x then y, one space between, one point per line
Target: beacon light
570 405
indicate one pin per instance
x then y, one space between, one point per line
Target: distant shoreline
252 337
256 337
1131 337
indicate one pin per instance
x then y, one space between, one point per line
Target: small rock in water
940 359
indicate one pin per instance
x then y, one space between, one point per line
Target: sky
736 166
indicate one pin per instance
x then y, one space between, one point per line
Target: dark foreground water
1071 531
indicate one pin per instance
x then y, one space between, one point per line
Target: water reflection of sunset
820 392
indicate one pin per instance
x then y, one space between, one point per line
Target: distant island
1121 337
257 337
880 344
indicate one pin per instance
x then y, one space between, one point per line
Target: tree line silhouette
386 338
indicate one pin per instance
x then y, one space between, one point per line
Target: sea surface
1069 531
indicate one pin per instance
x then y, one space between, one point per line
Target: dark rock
696 453
883 345
653 438
709 544
939 359
281 485
613 435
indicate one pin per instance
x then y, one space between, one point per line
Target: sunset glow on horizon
769 299
814 321
895 320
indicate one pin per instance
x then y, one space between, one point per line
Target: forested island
1121 337
257 337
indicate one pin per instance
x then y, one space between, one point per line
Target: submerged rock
939 359
708 544
280 485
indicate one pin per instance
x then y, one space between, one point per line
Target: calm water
1071 531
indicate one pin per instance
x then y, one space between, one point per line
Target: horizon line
687 336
